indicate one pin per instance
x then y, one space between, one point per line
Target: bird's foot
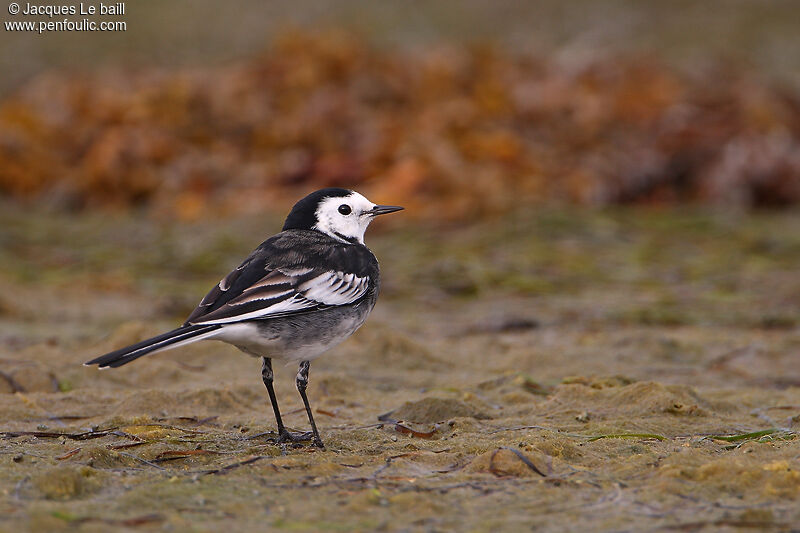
287 436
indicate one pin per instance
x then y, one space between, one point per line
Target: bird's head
340 213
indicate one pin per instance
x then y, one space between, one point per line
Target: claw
287 436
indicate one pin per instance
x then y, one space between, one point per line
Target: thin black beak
384 209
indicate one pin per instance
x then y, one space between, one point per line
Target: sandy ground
558 371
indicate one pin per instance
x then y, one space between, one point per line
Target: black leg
267 377
283 434
302 384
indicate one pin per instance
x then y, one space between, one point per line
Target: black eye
344 209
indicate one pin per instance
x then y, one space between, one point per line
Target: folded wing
279 292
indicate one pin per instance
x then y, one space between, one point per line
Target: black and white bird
299 294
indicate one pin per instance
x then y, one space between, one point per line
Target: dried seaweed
525 129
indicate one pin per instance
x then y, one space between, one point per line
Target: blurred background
459 109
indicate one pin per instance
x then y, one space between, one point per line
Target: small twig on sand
19 485
519 455
628 436
517 428
55 435
15 386
69 454
230 467
148 463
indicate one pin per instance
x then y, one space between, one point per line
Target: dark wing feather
293 272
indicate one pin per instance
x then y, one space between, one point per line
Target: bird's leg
283 434
267 376
302 384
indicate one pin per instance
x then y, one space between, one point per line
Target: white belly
255 341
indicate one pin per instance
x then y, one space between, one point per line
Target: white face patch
332 220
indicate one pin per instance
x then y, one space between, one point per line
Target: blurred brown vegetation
450 131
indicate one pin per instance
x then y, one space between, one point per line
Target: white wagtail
299 294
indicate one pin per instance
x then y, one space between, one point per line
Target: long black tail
170 339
